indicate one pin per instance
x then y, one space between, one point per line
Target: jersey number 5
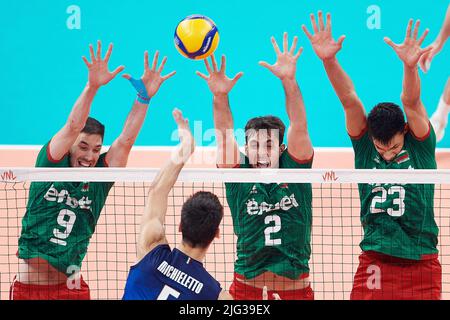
166 292
398 193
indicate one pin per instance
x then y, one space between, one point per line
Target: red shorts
21 291
243 291
383 277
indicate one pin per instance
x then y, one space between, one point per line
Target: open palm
217 80
322 40
99 73
152 77
286 64
409 51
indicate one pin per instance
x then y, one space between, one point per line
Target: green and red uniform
400 232
272 223
61 217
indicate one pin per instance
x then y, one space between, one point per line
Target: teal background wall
42 73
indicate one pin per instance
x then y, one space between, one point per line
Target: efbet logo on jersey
53 195
285 204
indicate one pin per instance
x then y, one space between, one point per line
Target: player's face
86 150
392 149
263 149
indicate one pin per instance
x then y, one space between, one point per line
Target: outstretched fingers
170 75
294 45
201 75
422 38
313 23
298 53
223 64
117 71
321 23
99 50
306 31
108 53
86 61
390 43
163 63
408 28
155 60
416 29
237 77
275 46
328 26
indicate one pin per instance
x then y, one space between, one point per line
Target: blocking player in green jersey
61 217
399 259
272 221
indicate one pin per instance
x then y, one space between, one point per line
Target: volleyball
196 37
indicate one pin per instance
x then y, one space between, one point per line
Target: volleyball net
335 235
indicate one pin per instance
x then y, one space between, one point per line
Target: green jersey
398 219
60 217
272 223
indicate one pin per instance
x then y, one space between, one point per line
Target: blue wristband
142 95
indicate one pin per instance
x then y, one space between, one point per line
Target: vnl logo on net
8 176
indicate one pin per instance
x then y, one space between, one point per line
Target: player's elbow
74 127
410 100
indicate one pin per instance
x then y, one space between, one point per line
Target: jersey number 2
273 229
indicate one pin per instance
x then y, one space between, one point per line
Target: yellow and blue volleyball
196 37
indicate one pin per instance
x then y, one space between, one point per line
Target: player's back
165 274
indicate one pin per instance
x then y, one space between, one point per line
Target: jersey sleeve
426 145
232 187
362 146
288 161
101 163
44 158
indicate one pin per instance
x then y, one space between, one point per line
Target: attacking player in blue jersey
165 274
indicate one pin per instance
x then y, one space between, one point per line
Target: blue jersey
164 274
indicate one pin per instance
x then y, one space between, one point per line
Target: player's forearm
223 119
228 152
341 82
166 178
133 124
445 30
295 106
411 87
80 111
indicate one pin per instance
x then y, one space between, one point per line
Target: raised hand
409 51
152 78
218 82
99 74
187 142
322 40
426 58
286 64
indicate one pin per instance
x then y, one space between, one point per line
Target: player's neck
195 253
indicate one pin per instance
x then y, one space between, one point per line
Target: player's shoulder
287 160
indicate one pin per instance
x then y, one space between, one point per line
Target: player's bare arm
285 69
220 86
326 48
147 87
99 75
409 53
438 44
152 225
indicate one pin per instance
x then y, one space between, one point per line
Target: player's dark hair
265 123
201 215
385 121
94 126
